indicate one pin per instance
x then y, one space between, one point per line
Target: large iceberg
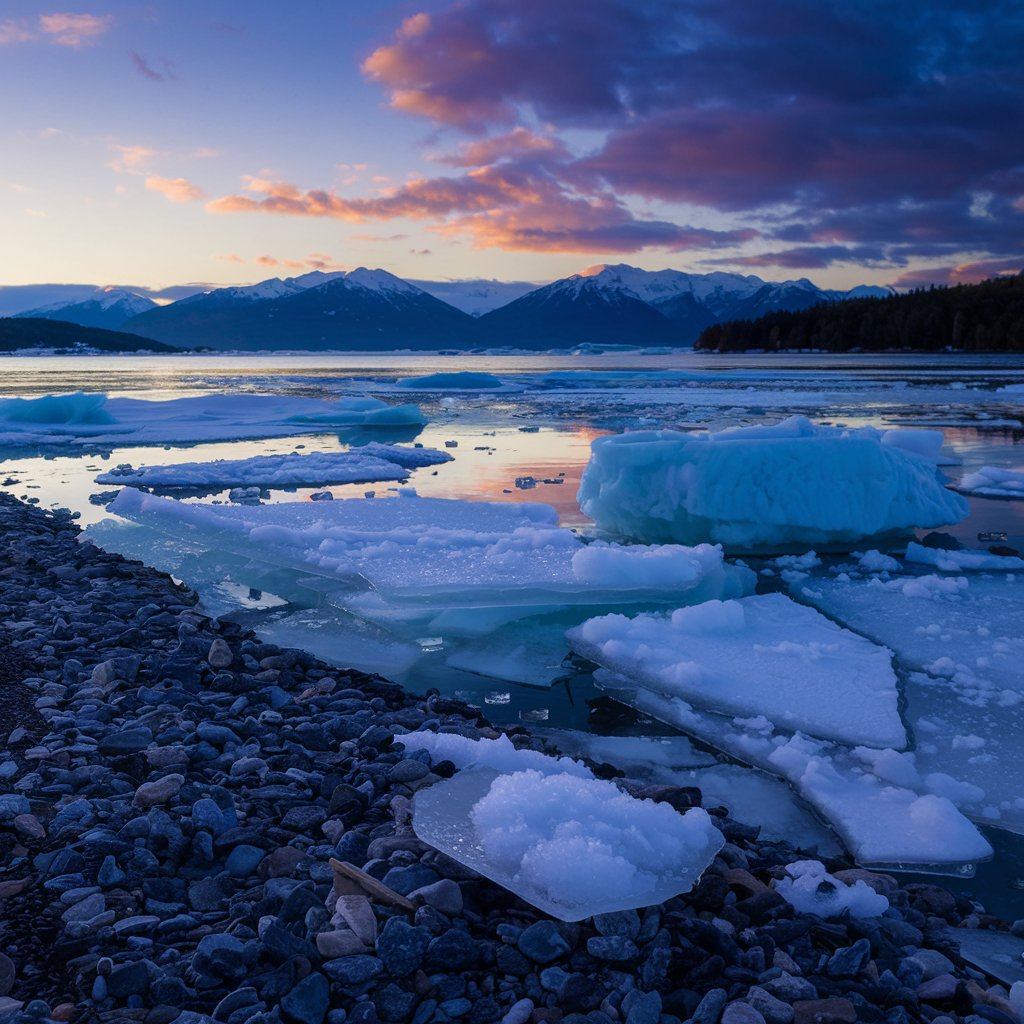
755 488
295 470
95 419
763 655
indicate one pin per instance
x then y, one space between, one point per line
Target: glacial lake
538 427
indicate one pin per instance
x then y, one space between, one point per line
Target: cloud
177 190
961 273
13 32
497 206
811 257
131 159
230 257
74 30
365 237
144 68
314 261
801 115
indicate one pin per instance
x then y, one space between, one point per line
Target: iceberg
763 655
95 419
765 487
312 469
994 482
962 561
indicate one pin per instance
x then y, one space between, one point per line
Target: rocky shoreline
195 826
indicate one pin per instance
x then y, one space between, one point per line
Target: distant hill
24 333
109 308
362 309
626 305
986 317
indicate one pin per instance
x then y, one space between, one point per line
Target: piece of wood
352 881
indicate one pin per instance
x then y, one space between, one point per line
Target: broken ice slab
961 640
94 419
998 954
752 796
530 652
882 824
426 555
361 465
994 482
572 847
764 655
766 487
962 561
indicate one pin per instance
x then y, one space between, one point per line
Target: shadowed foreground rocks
173 793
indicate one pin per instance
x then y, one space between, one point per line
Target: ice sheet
962 561
881 823
790 483
763 655
295 470
95 419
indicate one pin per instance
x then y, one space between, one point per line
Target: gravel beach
198 826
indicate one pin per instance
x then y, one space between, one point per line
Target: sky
180 141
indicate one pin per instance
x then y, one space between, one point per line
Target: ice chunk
763 655
96 419
531 652
466 380
880 823
994 482
497 754
262 470
403 455
572 846
1000 954
962 561
790 483
810 889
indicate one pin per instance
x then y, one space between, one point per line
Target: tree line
985 317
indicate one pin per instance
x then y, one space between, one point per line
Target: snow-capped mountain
358 309
476 297
615 303
108 308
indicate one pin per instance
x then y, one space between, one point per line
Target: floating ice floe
751 796
452 383
881 823
292 470
962 561
961 642
994 482
750 488
564 841
764 655
95 419
810 889
501 577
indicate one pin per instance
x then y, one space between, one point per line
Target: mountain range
374 310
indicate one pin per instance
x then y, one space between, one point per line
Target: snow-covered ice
294 470
95 419
498 754
881 823
572 846
962 561
465 380
810 889
763 655
789 483
994 482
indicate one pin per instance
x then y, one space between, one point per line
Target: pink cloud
147 70
13 32
177 190
131 159
961 273
74 30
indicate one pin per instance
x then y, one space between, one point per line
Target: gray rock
709 1009
543 943
849 961
933 963
741 1013
790 989
519 1012
219 655
612 947
774 1011
621 922
409 770
353 970
308 1001
643 1007
401 946
151 794
444 895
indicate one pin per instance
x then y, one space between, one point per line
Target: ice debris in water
95 418
994 482
498 754
466 380
962 561
810 889
763 655
292 470
755 487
